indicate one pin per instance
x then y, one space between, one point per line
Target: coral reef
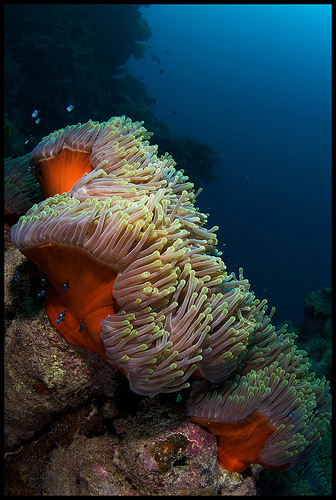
72 425
159 304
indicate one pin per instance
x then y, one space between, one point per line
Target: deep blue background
254 82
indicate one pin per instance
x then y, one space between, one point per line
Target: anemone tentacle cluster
22 189
273 381
135 275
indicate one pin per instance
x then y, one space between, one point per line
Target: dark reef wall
61 55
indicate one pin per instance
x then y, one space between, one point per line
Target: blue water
254 82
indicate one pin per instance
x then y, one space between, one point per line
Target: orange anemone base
241 443
82 288
59 173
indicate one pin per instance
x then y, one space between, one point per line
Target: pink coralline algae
181 459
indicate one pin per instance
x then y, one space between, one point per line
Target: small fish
65 286
37 121
81 327
60 317
70 108
16 275
35 113
44 283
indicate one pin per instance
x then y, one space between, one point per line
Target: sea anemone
21 188
135 275
271 411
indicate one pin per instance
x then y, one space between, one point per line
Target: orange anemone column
57 175
241 443
81 295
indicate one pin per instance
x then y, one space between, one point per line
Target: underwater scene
167 249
